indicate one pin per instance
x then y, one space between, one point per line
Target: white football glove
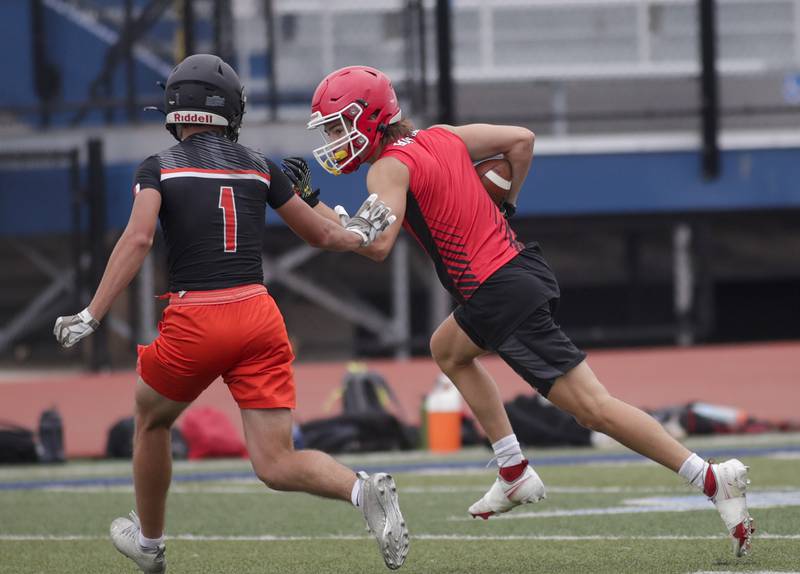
72 328
371 219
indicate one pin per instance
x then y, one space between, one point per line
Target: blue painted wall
76 53
634 182
65 41
660 182
36 201
17 87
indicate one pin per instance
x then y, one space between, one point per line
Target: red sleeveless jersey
450 213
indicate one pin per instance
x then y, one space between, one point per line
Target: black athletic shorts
512 313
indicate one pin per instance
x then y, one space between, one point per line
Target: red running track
762 379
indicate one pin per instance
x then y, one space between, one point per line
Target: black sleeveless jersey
214 194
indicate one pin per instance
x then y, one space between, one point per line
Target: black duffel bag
362 432
119 443
537 422
17 444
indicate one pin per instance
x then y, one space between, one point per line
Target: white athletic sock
150 543
507 451
355 494
693 470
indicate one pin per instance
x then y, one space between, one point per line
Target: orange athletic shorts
236 333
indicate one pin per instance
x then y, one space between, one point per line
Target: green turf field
599 517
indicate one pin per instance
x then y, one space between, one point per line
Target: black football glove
508 209
297 170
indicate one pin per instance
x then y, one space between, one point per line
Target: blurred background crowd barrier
665 187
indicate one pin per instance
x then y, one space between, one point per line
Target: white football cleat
503 496
725 484
125 536
381 510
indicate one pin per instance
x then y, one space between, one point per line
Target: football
495 175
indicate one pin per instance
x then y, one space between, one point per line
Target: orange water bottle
443 411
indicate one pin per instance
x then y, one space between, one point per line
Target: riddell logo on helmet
193 118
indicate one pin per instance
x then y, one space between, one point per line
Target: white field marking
457 537
787 455
732 572
552 489
256 487
580 489
773 439
767 499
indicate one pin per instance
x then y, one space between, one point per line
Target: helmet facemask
345 146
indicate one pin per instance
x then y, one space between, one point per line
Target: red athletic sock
710 482
512 473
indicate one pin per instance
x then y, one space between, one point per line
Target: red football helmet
352 107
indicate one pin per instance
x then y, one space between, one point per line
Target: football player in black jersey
210 195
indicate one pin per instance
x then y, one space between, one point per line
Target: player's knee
437 353
435 345
152 411
446 356
148 417
150 420
272 476
446 361
272 464
593 413
268 479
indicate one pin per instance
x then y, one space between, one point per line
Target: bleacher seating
553 59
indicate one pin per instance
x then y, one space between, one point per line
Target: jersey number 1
228 207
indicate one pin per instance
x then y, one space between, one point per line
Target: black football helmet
204 90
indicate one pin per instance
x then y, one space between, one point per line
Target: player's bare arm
487 140
123 265
371 220
327 212
129 252
388 178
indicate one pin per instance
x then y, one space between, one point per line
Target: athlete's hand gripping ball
371 219
298 172
72 328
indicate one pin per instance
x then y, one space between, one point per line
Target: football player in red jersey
507 293
210 194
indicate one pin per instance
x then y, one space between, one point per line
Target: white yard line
258 488
784 455
456 537
684 503
255 487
